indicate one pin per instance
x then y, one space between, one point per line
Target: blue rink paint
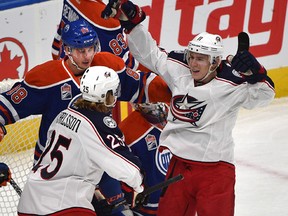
8 4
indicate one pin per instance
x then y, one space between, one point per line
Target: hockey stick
243 42
140 198
16 187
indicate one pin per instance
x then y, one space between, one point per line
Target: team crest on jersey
187 108
162 160
66 92
109 122
151 142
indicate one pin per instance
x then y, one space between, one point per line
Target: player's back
81 144
67 171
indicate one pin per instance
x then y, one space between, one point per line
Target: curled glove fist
246 64
111 9
5 174
244 61
128 13
3 131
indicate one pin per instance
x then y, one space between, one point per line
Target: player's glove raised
3 131
5 174
128 13
246 64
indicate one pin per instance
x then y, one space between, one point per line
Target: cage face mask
154 113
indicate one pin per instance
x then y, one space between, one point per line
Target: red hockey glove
3 131
128 13
5 174
246 64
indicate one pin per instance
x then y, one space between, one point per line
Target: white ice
261 159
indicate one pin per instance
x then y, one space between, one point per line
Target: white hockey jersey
81 145
201 118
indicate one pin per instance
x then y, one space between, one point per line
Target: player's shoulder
227 74
102 121
45 74
177 55
128 125
92 10
109 60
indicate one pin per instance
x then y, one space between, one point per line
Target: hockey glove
246 64
5 174
102 207
100 204
133 198
3 131
128 13
105 208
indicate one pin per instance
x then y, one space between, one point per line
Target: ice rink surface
261 159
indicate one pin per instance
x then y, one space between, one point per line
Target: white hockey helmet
207 44
97 81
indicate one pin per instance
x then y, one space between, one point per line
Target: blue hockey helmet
80 34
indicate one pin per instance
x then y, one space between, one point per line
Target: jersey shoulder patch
109 122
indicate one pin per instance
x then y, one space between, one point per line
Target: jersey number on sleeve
115 142
17 93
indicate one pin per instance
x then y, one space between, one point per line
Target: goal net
17 151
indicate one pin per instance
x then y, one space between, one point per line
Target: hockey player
110 32
83 141
5 174
149 119
3 131
207 94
